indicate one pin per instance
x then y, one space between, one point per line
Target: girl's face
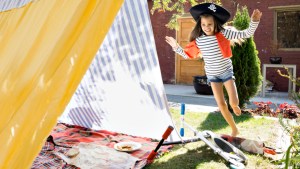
208 25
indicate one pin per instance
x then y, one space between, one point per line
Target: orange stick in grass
153 153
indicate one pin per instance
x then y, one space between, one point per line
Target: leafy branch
177 7
292 156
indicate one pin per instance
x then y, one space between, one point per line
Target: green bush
246 64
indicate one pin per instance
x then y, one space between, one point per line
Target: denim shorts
221 78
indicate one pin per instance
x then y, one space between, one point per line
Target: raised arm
175 46
256 15
172 42
247 33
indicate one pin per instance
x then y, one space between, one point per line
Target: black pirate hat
210 8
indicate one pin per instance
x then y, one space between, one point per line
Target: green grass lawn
198 155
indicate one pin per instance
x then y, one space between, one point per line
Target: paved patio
177 94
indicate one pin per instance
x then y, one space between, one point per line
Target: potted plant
201 86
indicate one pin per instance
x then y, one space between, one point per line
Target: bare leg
233 96
219 96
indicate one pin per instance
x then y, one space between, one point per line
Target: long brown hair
197 31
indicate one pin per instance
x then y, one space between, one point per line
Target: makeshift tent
47 47
122 90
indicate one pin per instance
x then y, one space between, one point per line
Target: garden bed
284 110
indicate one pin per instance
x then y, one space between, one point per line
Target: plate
127 146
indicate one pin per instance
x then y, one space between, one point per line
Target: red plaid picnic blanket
66 136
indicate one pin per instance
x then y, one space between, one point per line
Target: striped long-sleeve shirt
215 63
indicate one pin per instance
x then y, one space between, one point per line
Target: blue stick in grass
182 119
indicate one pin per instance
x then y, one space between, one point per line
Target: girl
210 40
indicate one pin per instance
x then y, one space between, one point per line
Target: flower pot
201 86
275 60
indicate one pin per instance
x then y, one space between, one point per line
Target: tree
177 7
246 64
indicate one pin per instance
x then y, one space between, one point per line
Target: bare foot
237 111
235 133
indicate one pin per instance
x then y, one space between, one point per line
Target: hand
256 15
172 42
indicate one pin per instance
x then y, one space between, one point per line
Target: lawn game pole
182 119
153 153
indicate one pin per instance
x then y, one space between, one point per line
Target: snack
125 147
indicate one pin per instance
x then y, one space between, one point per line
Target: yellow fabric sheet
45 49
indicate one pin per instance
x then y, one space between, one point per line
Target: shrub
246 63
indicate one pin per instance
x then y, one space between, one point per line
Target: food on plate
125 147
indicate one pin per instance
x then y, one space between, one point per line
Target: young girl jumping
211 41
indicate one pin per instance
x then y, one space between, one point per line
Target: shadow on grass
190 159
215 121
202 156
